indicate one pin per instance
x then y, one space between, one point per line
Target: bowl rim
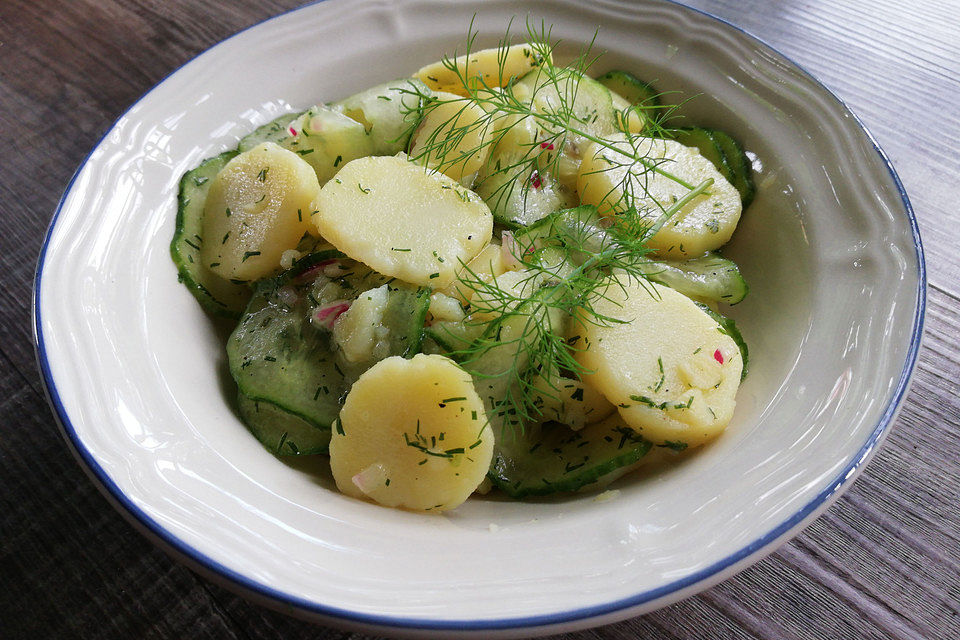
723 568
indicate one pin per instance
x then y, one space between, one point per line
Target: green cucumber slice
274 131
709 277
275 354
579 226
552 457
388 113
216 295
501 355
706 141
591 107
406 314
739 164
517 194
281 432
632 88
327 140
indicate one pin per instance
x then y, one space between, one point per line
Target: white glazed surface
137 371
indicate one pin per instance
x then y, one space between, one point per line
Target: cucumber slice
388 113
709 277
501 354
327 140
635 90
729 327
274 131
216 295
405 315
551 458
281 432
517 194
739 164
450 337
275 354
591 107
706 141
579 226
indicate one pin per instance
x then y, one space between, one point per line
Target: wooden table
882 563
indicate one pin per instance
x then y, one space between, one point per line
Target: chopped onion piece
370 478
328 314
509 249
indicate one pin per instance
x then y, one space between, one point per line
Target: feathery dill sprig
548 114
564 270
565 266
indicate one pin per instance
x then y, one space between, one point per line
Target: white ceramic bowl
135 370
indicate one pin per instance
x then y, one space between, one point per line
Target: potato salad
501 273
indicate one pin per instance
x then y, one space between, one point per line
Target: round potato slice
403 220
488 67
451 137
258 206
614 182
669 368
412 434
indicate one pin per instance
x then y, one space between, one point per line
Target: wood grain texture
882 563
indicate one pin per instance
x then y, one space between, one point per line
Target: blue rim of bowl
207 563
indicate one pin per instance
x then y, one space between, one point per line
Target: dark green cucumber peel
451 338
554 458
273 131
729 327
281 432
439 341
216 295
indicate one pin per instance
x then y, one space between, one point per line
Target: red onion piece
328 314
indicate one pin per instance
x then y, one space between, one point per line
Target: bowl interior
137 370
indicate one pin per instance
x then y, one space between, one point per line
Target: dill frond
567 261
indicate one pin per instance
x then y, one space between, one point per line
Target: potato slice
258 206
403 220
412 434
451 137
490 67
613 182
443 308
359 331
670 369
